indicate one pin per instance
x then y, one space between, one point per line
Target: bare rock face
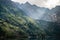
58 17
57 11
52 15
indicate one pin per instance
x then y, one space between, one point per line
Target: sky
41 3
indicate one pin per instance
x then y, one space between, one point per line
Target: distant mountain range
32 10
39 13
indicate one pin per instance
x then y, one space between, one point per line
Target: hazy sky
41 3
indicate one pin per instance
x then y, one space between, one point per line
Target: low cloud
41 3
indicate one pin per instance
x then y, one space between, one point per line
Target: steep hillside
51 28
14 22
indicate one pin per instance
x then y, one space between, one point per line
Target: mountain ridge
39 13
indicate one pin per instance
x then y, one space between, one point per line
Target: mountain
52 29
52 15
56 10
39 13
33 11
48 20
20 21
14 23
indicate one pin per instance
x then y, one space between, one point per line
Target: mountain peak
27 3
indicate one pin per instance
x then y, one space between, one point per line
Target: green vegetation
15 23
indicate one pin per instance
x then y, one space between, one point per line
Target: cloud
41 3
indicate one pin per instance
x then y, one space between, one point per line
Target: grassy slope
13 22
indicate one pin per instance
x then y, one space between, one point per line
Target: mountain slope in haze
47 19
53 14
56 10
33 11
14 22
39 13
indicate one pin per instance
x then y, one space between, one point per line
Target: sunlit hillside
15 23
